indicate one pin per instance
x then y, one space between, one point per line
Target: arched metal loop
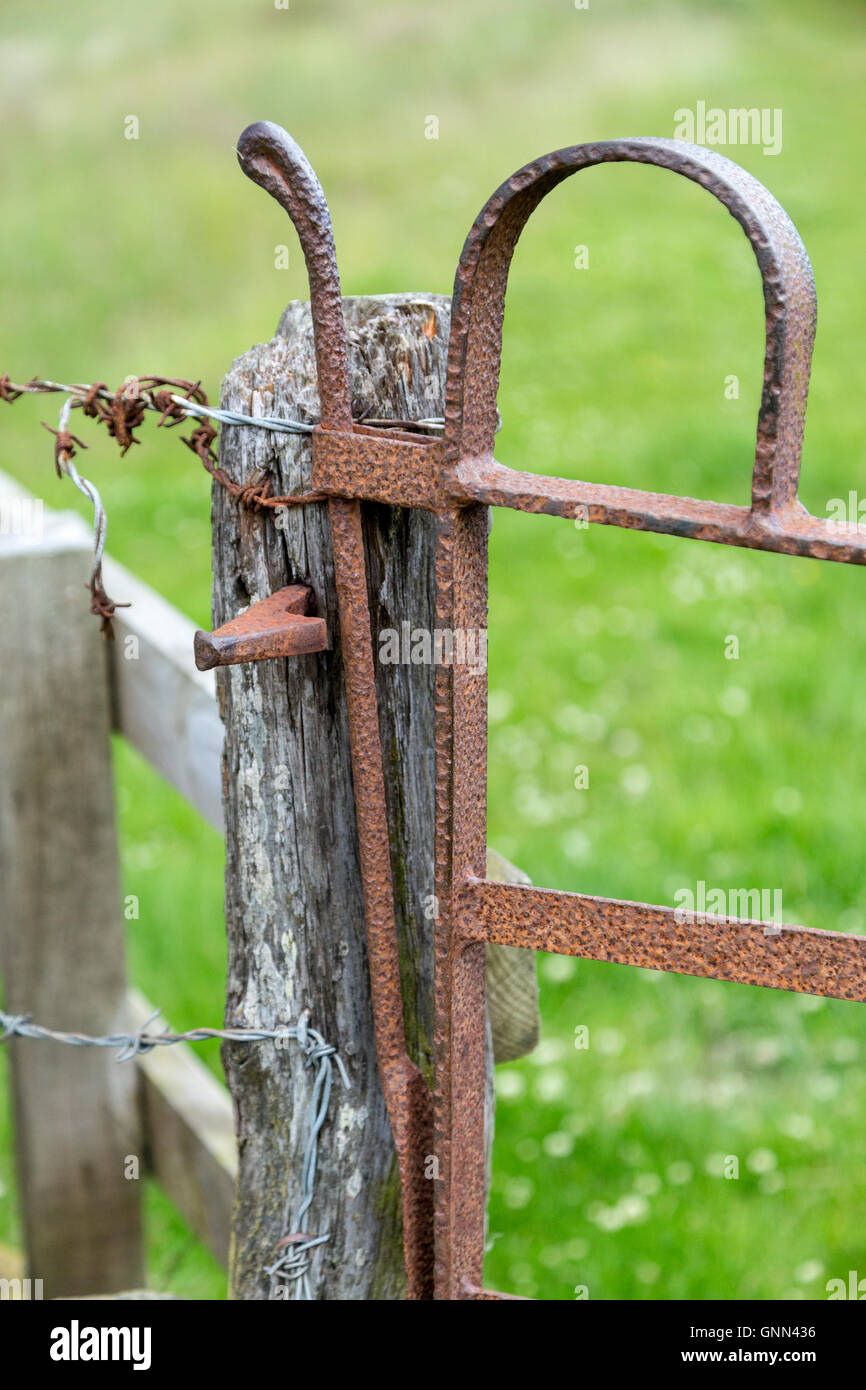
478 303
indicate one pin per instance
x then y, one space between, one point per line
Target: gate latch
280 625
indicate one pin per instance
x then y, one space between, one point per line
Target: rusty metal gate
457 479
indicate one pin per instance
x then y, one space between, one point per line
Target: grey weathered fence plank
61 936
163 705
190 1144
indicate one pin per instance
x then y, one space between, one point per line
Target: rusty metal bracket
457 478
279 625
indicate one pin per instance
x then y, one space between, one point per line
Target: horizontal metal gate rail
457 478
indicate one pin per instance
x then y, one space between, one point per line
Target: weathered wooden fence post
294 908
61 933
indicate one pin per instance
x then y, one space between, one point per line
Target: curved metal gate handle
272 159
789 297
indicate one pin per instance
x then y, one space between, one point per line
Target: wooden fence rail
62 945
78 1115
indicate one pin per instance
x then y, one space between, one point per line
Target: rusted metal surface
789 299
272 159
773 955
458 478
404 471
461 816
789 532
280 625
409 1105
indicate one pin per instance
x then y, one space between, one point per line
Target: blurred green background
607 648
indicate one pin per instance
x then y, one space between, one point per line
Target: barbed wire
64 452
140 1041
292 1264
175 400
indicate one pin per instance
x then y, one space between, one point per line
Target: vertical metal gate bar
461 784
406 1093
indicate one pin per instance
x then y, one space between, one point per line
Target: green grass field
607 648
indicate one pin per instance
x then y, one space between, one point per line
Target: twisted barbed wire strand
291 1269
90 491
42 386
149 397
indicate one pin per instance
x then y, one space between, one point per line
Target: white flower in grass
510 1085
558 1144
762 1161
635 781
680 1172
518 1193
648 1184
